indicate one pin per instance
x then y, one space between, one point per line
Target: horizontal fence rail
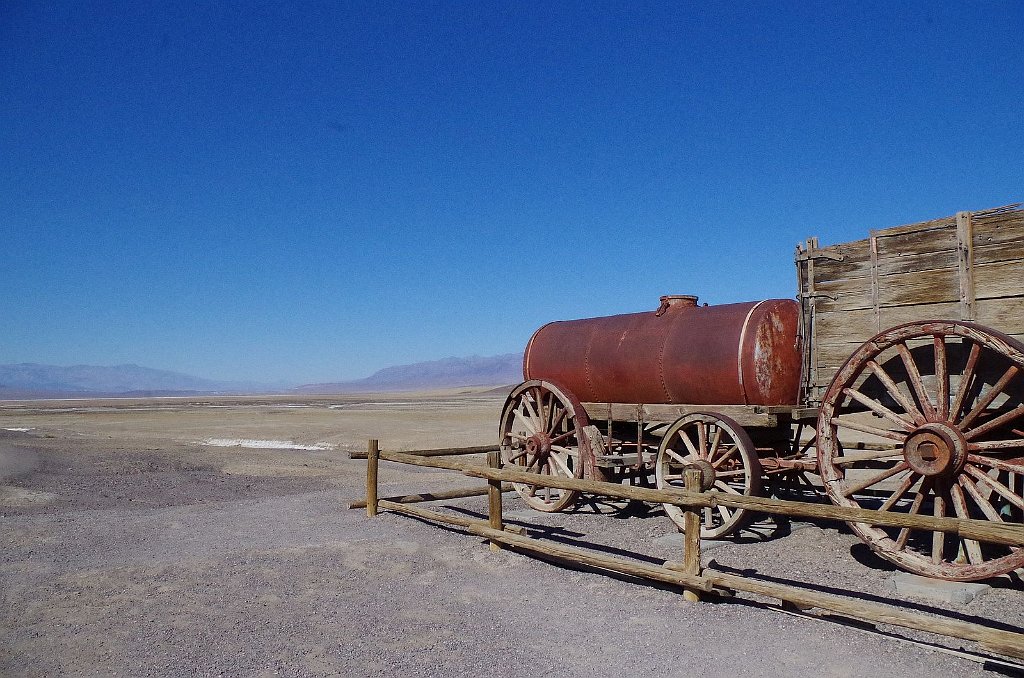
968 528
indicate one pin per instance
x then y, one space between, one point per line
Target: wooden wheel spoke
979 499
915 508
513 457
877 478
568 451
941 377
689 444
995 463
880 409
524 419
996 445
675 455
725 487
702 440
530 414
1010 373
725 513
558 420
563 437
906 403
730 474
1001 489
562 464
864 428
992 424
716 440
915 381
732 450
904 487
972 547
966 382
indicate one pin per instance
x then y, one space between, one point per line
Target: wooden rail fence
688 573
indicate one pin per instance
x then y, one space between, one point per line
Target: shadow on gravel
859 595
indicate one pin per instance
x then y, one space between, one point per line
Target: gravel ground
168 559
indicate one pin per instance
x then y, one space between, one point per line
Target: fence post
691 540
494 497
372 455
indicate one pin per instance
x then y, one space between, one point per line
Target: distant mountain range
499 370
26 380
31 380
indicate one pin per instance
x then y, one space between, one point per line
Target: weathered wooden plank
904 289
835 354
902 243
998 228
934 224
1001 279
1005 315
744 415
858 325
1004 251
920 287
856 258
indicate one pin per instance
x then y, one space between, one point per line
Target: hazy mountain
31 379
449 372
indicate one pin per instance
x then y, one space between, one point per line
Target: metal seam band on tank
661 369
529 347
739 353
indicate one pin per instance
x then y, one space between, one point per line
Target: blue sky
310 192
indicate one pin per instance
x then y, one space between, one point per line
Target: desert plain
212 537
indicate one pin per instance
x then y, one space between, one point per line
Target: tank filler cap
676 301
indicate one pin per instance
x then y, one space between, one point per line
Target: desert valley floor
211 536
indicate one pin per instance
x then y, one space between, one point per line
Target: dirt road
130 544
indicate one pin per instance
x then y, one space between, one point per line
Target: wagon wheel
542 431
937 410
728 462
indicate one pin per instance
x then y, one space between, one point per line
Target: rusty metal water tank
733 354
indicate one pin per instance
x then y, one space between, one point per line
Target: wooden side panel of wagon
969 266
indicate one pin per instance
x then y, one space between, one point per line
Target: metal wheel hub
539 445
935 450
707 473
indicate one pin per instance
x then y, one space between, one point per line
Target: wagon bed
969 266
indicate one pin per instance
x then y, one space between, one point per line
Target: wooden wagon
911 400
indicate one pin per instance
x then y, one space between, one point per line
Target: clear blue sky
309 192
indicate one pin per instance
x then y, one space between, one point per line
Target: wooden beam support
372 451
440 452
494 498
691 535
440 495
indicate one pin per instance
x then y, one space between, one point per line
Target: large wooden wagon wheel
543 431
728 462
928 419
